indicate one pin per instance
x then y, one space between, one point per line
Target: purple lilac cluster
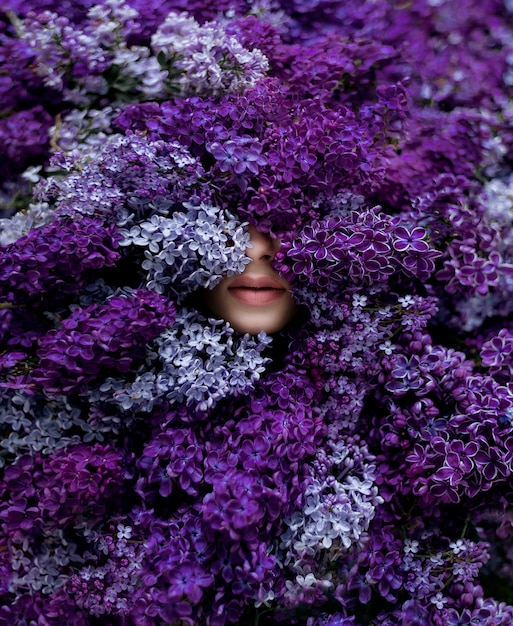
365 243
56 258
99 338
274 165
160 468
198 362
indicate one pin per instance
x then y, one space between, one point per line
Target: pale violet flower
406 301
124 532
190 249
411 546
37 215
359 300
387 347
338 509
208 60
438 600
197 362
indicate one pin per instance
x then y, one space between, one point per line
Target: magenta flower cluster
158 468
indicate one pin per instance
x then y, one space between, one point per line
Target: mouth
256 290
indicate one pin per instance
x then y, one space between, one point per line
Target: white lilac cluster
197 362
107 180
11 229
100 44
340 503
209 61
82 132
132 68
185 57
122 569
28 425
59 46
190 249
42 570
497 198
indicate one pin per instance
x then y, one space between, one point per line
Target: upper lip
256 282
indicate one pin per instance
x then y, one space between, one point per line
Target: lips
256 290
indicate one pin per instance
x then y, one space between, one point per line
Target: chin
257 328
254 324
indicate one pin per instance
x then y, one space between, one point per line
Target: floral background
159 468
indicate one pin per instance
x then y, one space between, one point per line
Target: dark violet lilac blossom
156 466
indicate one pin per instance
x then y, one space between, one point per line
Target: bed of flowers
159 468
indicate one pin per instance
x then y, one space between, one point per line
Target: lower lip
256 297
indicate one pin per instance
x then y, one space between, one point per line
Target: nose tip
264 247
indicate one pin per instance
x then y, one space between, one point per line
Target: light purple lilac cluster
159 468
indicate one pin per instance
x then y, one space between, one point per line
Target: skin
258 299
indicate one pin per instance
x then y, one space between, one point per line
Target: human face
258 299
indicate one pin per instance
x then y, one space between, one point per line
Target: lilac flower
100 337
410 239
207 59
239 157
495 353
198 363
173 459
57 257
157 466
190 249
188 581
